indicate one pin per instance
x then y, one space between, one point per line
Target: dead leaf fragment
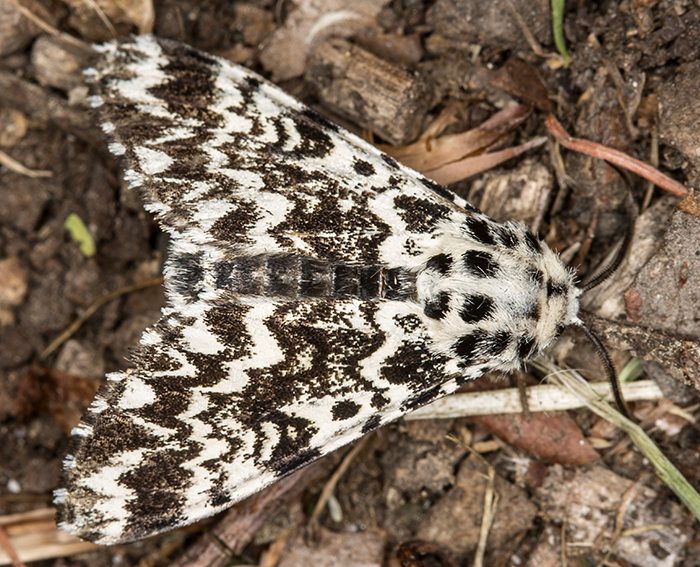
521 80
455 520
551 437
429 154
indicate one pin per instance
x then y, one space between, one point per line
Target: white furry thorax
494 291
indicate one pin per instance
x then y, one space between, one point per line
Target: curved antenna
609 370
632 213
614 264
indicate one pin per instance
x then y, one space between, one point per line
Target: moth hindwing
316 290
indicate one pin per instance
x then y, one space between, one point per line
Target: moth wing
227 398
231 163
230 392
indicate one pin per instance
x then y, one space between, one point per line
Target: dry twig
92 309
615 157
17 167
32 536
333 482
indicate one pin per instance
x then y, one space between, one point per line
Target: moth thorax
496 304
293 276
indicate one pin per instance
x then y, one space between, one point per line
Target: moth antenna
632 213
613 378
614 264
599 278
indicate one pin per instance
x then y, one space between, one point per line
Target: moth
316 290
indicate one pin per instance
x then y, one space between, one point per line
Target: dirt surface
415 493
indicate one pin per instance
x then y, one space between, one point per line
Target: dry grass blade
48 28
490 506
615 157
102 16
429 154
9 549
666 471
33 536
542 398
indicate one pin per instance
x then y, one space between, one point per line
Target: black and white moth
316 289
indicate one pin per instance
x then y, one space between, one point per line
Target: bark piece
666 294
369 91
57 64
681 356
519 193
679 109
607 300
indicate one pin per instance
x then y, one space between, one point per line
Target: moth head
557 298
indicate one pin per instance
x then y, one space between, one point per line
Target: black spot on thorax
480 263
476 308
438 306
507 237
533 243
441 263
526 347
479 230
555 289
499 342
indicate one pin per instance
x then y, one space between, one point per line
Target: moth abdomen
295 276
